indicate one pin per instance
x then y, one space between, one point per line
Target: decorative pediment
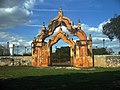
61 35
61 20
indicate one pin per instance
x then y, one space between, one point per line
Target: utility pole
103 43
25 50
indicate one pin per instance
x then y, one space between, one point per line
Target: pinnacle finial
90 36
34 39
72 23
79 25
43 26
60 13
60 8
78 20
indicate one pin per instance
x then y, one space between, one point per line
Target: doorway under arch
58 36
60 55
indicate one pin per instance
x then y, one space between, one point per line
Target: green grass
34 78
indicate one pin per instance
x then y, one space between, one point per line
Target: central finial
60 13
60 8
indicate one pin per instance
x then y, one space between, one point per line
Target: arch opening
60 55
63 54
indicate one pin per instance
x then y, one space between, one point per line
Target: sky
21 20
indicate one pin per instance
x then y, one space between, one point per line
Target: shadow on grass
84 81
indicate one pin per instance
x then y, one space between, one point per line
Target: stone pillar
40 54
45 55
82 59
49 55
78 60
84 56
71 56
90 46
90 53
34 57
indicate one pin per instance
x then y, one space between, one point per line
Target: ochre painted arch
41 50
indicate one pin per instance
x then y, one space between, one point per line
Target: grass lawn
35 78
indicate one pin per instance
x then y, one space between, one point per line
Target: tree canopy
102 51
61 54
112 28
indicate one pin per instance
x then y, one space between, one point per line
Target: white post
11 46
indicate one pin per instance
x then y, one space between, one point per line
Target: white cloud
15 12
14 39
97 37
28 4
7 36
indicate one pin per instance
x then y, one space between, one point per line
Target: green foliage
102 51
61 55
112 28
17 55
27 54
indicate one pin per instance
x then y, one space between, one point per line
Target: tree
102 51
27 54
61 54
112 28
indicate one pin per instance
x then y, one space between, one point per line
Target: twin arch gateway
81 50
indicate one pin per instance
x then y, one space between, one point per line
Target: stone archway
81 49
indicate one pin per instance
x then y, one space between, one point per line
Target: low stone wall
99 60
107 60
15 60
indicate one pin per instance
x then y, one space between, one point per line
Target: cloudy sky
21 20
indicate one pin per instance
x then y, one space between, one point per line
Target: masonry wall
15 60
99 60
107 60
